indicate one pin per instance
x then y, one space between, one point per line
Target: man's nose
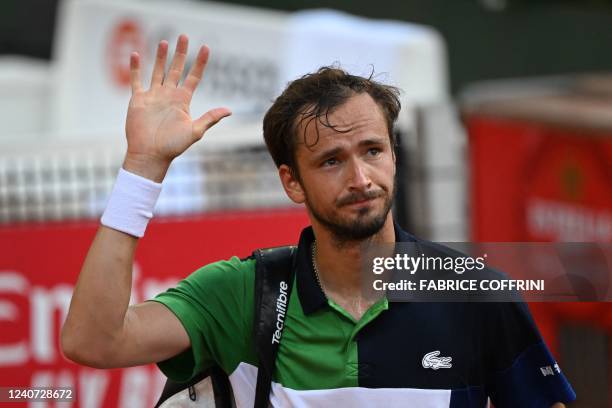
358 177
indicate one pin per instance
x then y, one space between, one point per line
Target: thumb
208 120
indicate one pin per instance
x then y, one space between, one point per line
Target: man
330 135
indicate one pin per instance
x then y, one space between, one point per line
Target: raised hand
159 126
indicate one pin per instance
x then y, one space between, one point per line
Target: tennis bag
274 271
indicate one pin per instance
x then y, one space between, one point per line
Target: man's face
347 177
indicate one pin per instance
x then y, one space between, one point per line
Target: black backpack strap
273 281
174 387
220 385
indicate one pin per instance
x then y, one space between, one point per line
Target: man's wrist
131 203
148 167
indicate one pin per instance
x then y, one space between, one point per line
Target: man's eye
374 151
330 162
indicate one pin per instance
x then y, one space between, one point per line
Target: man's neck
339 263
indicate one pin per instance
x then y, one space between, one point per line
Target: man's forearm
101 297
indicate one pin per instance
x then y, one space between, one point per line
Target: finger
135 72
160 64
197 69
208 120
178 62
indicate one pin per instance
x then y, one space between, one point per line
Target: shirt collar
309 292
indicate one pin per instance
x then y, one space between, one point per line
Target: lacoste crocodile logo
431 360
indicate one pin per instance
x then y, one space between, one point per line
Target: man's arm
101 330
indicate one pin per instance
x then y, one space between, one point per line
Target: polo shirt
398 354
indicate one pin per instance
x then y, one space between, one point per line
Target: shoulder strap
217 392
273 281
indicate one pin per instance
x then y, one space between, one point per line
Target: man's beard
361 228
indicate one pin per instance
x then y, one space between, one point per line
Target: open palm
159 126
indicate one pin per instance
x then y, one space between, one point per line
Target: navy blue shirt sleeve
521 370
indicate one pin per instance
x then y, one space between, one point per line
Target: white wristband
131 203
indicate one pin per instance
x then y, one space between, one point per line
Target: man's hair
313 97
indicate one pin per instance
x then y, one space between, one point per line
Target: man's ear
291 184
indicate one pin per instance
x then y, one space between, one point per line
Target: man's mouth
362 202
359 199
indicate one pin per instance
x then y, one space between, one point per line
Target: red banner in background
39 265
535 182
531 182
